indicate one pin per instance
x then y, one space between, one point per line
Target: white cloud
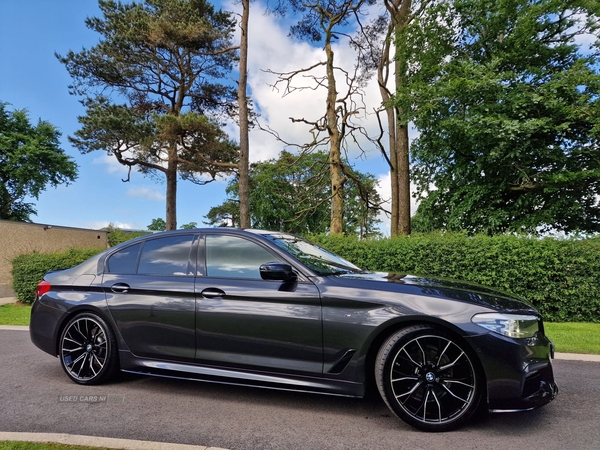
384 189
272 49
97 225
585 41
147 193
111 164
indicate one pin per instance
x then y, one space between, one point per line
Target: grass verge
568 337
575 337
15 314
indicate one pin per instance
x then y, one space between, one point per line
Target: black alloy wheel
88 350
428 378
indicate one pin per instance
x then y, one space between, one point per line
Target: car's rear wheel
428 378
88 349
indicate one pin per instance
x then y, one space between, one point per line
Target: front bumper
518 371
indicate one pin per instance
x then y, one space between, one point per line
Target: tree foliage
157 224
149 84
30 160
510 123
118 235
227 214
293 194
189 226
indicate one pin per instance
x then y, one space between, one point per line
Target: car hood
439 287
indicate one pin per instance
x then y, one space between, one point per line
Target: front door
246 322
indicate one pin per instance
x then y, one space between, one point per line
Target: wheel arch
104 315
393 326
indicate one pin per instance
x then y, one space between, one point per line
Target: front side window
166 256
318 259
235 257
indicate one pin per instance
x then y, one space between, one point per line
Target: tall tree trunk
244 162
171 194
335 150
401 131
393 159
403 165
337 191
398 160
402 142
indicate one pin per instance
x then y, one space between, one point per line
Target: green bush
558 276
28 269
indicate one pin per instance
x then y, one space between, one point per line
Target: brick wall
17 238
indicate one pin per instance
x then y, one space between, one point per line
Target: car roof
242 231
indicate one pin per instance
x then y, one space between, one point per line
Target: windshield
316 258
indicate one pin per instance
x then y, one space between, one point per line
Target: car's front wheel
428 378
88 349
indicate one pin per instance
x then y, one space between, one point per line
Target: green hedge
28 269
559 277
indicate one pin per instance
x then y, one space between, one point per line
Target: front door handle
119 288
212 293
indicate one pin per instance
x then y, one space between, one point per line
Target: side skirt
196 372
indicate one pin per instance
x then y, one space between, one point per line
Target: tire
88 350
428 378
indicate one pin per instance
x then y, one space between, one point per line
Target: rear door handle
120 288
212 293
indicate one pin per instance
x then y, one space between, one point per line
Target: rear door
149 287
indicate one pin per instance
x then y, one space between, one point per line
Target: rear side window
167 256
125 260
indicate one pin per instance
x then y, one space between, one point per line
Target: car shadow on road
369 407
235 397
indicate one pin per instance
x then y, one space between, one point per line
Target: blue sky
31 78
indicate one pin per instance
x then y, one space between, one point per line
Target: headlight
511 325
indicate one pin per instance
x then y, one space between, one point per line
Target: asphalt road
36 396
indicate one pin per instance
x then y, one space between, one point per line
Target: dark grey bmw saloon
269 309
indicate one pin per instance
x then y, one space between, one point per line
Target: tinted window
124 261
234 257
166 256
318 259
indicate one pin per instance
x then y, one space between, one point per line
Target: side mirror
278 272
